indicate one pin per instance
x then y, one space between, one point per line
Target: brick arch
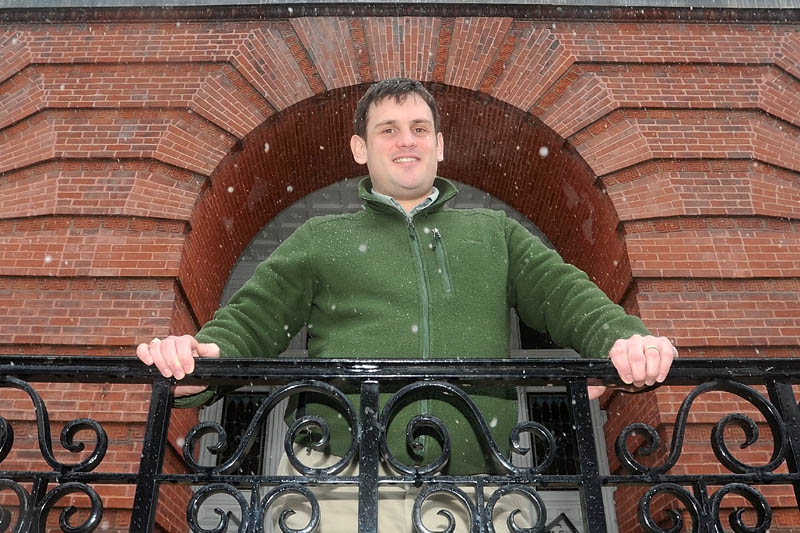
488 144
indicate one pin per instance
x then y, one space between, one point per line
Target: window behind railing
237 411
553 412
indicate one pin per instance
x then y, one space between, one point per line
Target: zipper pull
436 238
411 230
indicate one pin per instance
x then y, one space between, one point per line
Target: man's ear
439 147
359 148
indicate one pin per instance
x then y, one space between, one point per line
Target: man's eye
421 130
388 130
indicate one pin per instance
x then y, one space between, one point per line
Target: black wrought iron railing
697 496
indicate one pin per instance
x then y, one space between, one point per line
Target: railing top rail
129 369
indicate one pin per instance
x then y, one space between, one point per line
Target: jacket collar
447 190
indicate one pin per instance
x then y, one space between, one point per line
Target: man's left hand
641 361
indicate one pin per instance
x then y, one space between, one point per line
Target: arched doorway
490 145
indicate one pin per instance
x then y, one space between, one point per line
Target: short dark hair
399 89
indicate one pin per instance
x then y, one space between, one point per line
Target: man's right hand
174 356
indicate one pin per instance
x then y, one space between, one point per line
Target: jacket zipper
438 247
424 327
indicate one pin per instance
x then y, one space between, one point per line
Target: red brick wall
139 157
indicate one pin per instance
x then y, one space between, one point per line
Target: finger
595 391
619 357
637 360
170 354
143 353
188 390
158 358
666 362
653 353
207 349
185 354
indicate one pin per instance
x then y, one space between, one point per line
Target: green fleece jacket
373 284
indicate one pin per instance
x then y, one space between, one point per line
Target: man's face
402 149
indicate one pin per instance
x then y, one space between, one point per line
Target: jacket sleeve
261 318
559 299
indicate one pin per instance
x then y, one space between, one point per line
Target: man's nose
406 138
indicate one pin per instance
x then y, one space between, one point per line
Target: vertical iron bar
707 522
368 459
478 522
781 395
38 492
145 501
594 514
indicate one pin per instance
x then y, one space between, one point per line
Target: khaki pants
339 504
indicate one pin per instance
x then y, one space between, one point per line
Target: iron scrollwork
756 499
538 506
45 440
690 491
689 501
453 491
711 515
302 424
95 510
652 440
253 515
427 422
480 521
252 518
24 503
29 514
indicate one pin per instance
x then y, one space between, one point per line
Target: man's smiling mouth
405 159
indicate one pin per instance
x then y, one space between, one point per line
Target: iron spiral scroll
708 512
479 519
701 515
32 513
253 516
254 512
458 397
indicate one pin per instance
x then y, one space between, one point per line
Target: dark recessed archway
488 144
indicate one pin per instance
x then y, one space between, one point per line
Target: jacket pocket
438 248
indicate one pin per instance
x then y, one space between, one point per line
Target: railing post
145 501
594 515
782 396
368 459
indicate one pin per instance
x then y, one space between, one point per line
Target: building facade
143 147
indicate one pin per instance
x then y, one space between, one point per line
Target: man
409 277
